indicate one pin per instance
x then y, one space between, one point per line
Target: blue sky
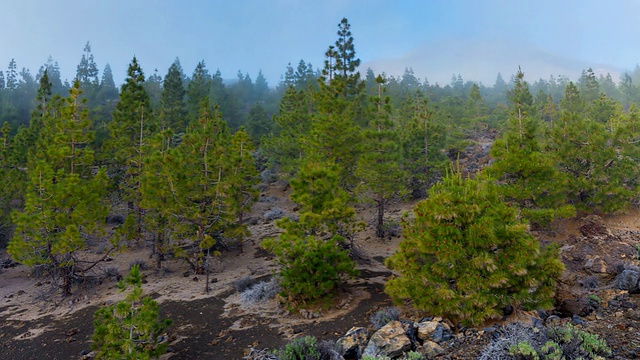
476 38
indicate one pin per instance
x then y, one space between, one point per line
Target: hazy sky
475 38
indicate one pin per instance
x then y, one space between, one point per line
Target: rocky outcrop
391 340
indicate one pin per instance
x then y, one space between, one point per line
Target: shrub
466 256
113 273
329 350
413 355
382 317
261 291
244 283
141 264
556 343
301 348
524 350
312 268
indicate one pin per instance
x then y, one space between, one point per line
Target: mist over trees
178 156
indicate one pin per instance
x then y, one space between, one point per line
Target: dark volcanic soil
199 331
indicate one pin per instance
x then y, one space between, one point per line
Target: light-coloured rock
390 341
426 329
430 349
353 342
597 265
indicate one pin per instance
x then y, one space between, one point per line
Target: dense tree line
177 157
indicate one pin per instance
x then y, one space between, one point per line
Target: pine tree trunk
158 249
66 280
380 220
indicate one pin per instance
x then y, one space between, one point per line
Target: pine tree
87 71
53 72
526 175
157 197
105 100
130 128
422 137
130 328
311 251
346 62
201 187
153 87
12 75
588 85
173 112
12 188
259 123
243 175
198 88
260 88
340 106
291 126
598 174
466 256
64 200
572 101
378 168
25 140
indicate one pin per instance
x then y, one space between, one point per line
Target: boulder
353 342
391 340
427 329
430 349
628 280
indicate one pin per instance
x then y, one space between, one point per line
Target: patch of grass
142 265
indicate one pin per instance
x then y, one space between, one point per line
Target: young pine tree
311 251
130 328
466 256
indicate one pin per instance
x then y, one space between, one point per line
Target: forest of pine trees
179 157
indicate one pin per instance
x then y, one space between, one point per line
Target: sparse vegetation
382 317
169 159
561 342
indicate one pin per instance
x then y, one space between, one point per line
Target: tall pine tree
130 129
64 201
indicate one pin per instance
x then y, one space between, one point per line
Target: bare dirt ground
37 323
